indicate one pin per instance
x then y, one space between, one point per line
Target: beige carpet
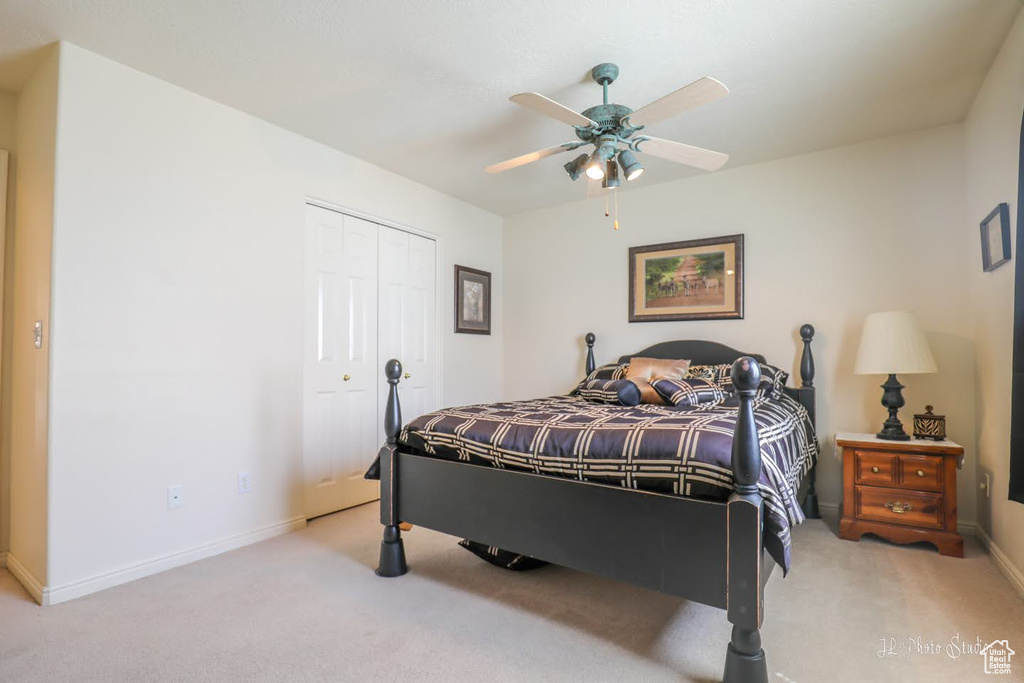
307 607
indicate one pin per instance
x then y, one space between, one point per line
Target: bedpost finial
746 374
393 370
590 339
807 332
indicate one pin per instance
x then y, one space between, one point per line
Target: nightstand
903 491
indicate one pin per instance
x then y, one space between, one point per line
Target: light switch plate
244 482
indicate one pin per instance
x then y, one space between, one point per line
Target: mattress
679 451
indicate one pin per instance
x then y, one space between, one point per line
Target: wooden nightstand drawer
921 472
876 468
896 506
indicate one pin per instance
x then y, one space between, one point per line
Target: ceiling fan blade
543 105
701 91
698 157
531 157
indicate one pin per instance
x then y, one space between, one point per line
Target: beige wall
830 237
177 306
992 142
7 106
35 133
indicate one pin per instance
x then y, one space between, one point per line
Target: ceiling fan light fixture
631 168
596 166
575 167
611 176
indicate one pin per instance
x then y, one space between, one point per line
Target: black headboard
698 352
702 352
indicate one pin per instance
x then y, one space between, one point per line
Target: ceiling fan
613 131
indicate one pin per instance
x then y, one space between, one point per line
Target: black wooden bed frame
716 557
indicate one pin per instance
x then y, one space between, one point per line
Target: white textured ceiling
421 86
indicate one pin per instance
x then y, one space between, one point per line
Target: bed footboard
392 551
744 659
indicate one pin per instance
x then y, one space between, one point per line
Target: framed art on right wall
995 238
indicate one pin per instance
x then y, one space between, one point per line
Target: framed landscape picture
472 301
691 280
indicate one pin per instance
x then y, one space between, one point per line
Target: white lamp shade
892 343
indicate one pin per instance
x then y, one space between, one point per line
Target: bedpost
392 552
744 659
807 400
591 365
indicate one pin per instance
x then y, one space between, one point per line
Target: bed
708 528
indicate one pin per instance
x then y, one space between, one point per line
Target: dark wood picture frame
990 261
478 322
681 287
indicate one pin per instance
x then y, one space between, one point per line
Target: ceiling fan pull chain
606 214
616 210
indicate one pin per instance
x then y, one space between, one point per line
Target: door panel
340 369
407 319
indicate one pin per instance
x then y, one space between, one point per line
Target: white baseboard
1005 566
51 595
26 578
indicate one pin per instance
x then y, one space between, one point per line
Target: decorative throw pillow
689 392
505 559
618 391
772 378
642 371
606 371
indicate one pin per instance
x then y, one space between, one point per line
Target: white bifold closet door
370 295
407 319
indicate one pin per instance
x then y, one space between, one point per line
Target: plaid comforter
683 451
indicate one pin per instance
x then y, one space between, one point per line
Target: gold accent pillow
642 370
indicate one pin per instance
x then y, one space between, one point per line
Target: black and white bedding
685 451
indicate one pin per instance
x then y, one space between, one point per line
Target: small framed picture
995 238
691 280
472 301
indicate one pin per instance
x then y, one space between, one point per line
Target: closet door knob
347 377
407 375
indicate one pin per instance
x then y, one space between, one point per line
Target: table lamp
892 343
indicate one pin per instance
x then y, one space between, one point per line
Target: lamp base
892 399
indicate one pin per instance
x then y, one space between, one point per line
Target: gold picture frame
689 280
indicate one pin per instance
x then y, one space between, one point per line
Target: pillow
506 559
689 392
618 391
606 371
642 370
772 378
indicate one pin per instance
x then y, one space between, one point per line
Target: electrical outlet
244 482
174 497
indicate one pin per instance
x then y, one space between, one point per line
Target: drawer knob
347 377
875 469
898 507
920 473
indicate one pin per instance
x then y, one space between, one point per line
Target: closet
370 295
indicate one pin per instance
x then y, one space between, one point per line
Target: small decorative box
928 425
